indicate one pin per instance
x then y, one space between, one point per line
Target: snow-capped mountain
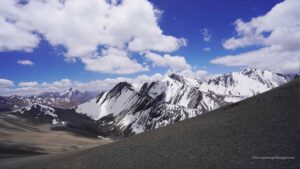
239 85
125 111
67 99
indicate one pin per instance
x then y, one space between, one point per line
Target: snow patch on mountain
46 109
90 108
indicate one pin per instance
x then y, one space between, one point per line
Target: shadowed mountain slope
235 136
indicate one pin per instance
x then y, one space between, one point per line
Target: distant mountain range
67 99
125 110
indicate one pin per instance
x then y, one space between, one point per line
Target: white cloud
198 74
270 58
85 26
28 84
246 36
205 35
113 61
14 38
25 62
4 83
278 34
175 63
166 44
62 83
207 49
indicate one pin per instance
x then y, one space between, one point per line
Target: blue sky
205 26
187 19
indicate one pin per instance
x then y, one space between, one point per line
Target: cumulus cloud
85 28
14 38
270 58
115 61
4 83
25 62
28 84
278 35
246 36
206 36
174 63
60 84
198 74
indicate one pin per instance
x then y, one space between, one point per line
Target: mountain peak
176 77
251 69
121 86
255 71
67 92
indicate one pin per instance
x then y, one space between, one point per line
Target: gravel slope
236 136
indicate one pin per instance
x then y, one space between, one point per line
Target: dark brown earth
258 133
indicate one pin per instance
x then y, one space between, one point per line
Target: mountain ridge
126 111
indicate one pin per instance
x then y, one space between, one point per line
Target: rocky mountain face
125 111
